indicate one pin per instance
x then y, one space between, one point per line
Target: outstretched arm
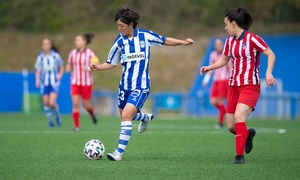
175 42
101 67
270 80
220 63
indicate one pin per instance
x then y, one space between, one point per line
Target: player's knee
52 104
87 106
239 117
231 129
126 116
213 102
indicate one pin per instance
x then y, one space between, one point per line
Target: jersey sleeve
155 39
38 64
226 49
60 61
259 43
114 54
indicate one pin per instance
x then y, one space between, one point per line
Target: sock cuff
75 113
126 123
46 108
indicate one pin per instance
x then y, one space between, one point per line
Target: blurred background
176 85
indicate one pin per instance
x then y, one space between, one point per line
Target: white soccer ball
94 149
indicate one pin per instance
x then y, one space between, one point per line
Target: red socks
240 137
222 113
91 111
76 119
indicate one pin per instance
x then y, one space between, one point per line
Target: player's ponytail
54 47
128 16
241 16
88 37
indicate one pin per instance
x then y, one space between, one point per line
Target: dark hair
88 37
53 46
127 16
241 16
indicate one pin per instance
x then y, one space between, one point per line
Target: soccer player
132 49
48 73
244 48
81 77
218 92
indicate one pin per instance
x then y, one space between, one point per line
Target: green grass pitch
169 149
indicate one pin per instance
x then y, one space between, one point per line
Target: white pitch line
152 130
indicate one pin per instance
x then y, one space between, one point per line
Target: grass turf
169 149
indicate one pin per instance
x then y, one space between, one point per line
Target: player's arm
175 42
206 78
220 63
37 78
270 80
68 67
61 73
101 67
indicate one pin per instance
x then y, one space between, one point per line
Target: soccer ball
94 149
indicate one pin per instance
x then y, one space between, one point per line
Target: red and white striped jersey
222 73
245 53
80 61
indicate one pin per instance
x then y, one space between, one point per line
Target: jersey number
121 95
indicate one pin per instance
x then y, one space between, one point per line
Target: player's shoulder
213 53
55 53
251 34
73 51
146 31
40 55
118 40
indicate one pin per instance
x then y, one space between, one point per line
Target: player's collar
242 35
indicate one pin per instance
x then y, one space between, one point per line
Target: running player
81 77
218 92
132 49
49 69
244 48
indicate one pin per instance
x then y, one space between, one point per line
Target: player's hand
58 77
204 70
270 80
37 83
189 41
93 66
204 84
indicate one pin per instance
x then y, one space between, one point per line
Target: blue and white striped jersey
134 54
49 67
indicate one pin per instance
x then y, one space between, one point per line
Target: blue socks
125 134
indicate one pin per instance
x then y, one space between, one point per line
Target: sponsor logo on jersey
133 57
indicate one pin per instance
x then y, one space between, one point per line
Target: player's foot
144 124
218 126
58 121
75 129
115 156
249 142
51 124
94 119
239 160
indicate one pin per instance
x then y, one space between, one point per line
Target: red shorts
84 91
247 94
219 89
